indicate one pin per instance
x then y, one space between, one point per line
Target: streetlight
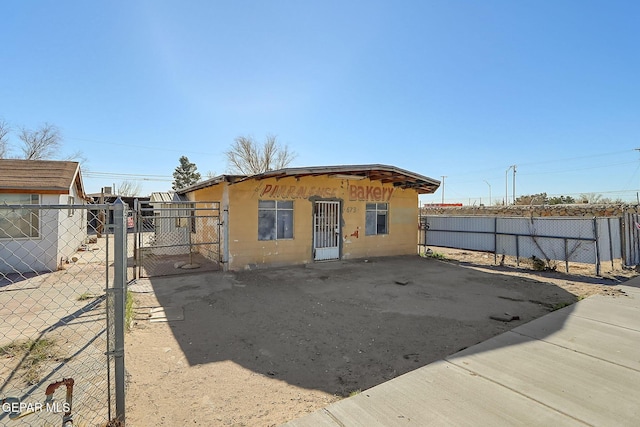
489 191
506 184
443 177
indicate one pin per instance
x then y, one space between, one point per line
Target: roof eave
423 184
210 182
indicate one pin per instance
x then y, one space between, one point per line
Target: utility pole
486 182
637 195
443 177
506 186
514 184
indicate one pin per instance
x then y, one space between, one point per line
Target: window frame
377 209
275 232
33 216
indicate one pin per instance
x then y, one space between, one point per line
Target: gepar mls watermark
16 408
13 405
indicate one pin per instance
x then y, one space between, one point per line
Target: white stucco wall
72 226
34 254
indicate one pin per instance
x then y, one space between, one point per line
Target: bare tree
592 198
77 156
4 142
129 188
248 157
40 144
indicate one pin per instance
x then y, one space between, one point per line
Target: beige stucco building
302 215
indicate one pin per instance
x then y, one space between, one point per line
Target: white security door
326 230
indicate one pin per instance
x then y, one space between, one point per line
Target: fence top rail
536 218
181 202
180 209
501 233
49 206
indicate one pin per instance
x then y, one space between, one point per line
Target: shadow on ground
608 280
349 325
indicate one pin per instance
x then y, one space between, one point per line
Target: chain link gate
176 237
62 318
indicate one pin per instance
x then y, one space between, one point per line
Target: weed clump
34 354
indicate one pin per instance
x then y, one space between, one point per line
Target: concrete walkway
576 366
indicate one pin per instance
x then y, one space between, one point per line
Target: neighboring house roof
97 196
165 197
384 173
213 181
40 176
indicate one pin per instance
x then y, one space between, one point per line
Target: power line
127 176
580 169
154 148
551 172
590 156
545 162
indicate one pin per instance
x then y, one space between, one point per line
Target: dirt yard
260 348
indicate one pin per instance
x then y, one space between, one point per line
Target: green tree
185 174
561 200
532 199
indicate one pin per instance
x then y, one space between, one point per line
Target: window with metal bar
376 221
275 219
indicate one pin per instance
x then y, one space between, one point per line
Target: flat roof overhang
386 174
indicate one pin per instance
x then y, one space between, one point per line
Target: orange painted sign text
295 192
370 193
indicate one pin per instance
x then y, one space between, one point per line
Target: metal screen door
326 231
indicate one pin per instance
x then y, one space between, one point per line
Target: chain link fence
545 243
60 337
176 237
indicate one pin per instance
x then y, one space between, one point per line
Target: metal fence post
137 232
225 242
596 239
633 238
610 243
495 240
119 294
623 239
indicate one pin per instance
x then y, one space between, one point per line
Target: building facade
39 239
302 215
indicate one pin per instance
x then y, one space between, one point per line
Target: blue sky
462 89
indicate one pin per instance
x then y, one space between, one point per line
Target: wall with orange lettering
245 251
